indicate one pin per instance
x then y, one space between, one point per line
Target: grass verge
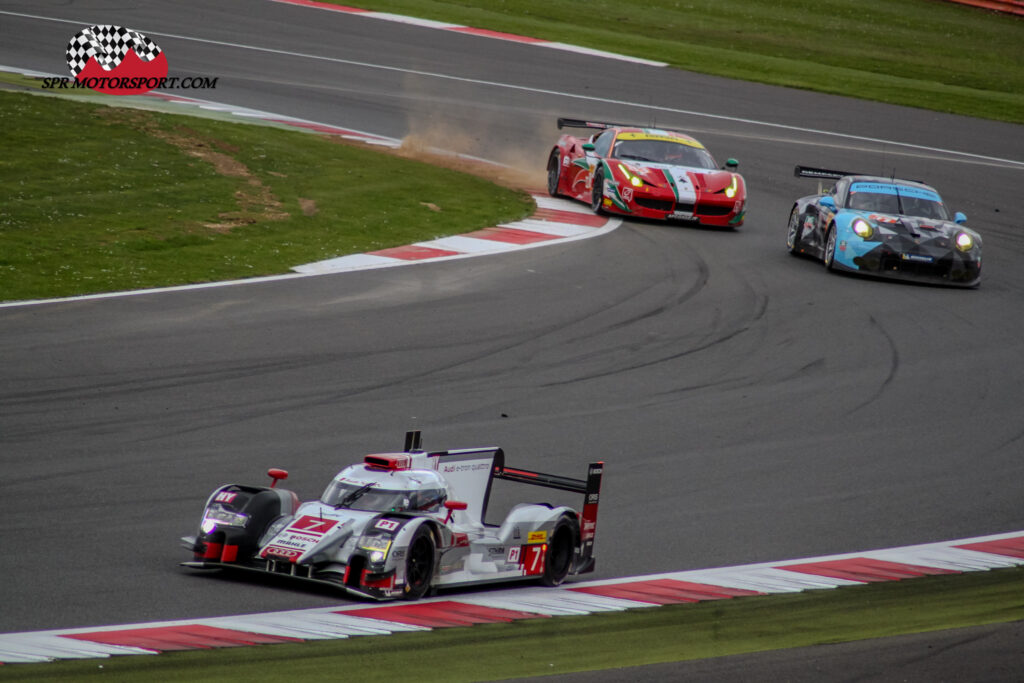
929 54
608 640
96 198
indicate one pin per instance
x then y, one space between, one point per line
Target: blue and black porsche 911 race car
884 227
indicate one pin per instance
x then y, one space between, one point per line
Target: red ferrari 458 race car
647 173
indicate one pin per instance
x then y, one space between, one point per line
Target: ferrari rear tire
830 248
554 172
597 192
794 231
559 555
419 564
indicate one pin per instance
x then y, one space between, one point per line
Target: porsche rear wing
820 173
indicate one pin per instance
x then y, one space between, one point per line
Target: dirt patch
308 207
256 202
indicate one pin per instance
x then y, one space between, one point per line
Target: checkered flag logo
108 44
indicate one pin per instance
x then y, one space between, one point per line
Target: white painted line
574 599
549 227
547 202
469 245
350 262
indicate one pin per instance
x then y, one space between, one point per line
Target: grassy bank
921 53
96 198
566 644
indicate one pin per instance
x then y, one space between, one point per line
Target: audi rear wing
589 487
471 470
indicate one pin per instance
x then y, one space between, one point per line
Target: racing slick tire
829 255
419 564
794 232
559 556
554 172
597 192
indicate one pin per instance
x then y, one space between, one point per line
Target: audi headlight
276 527
217 516
964 242
862 228
377 545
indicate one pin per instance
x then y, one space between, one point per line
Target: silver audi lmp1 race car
399 525
884 227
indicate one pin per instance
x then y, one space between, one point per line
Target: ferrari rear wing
580 123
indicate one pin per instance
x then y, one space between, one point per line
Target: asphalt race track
749 406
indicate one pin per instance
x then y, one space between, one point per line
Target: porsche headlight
377 545
862 228
964 242
217 516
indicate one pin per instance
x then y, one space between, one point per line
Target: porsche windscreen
903 200
663 151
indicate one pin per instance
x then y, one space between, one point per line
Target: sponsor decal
879 218
120 61
917 258
658 135
682 216
903 190
465 467
225 497
460 540
496 550
387 524
289 554
537 537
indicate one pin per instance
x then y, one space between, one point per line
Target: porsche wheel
597 192
554 171
561 547
795 231
830 248
419 565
